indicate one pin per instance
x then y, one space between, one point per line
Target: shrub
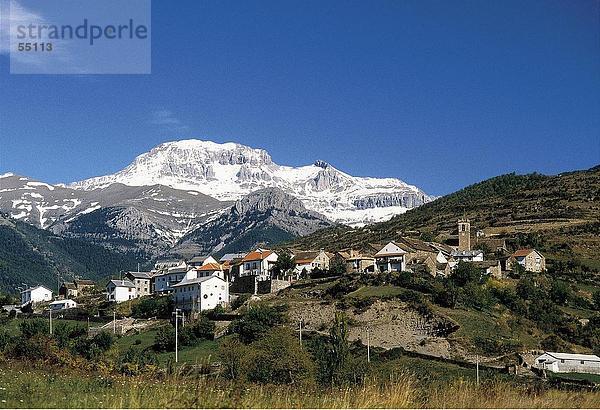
33 327
277 358
596 299
256 322
202 329
165 339
239 301
232 354
559 292
135 361
161 306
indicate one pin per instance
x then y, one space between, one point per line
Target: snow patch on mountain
230 171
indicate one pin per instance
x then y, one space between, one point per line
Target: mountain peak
229 171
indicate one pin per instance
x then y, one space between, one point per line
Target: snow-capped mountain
230 171
152 217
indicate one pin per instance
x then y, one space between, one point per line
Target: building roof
257 255
139 275
402 247
416 244
122 283
228 257
194 281
60 302
84 282
177 269
305 257
69 285
210 267
446 249
467 253
570 356
523 252
199 259
34 288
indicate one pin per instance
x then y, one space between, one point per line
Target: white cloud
18 15
167 119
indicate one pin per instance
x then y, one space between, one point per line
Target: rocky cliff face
230 171
266 217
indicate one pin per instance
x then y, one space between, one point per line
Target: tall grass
40 389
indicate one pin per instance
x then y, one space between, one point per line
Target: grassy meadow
47 389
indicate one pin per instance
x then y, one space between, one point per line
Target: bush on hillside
277 358
257 321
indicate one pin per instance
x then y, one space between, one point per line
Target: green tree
464 273
164 341
278 358
284 264
559 292
333 354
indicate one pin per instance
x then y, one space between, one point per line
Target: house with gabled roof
201 293
392 257
258 263
142 282
356 261
36 294
309 260
118 290
198 261
210 269
530 259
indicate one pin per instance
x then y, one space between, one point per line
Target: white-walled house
163 281
36 294
63 304
201 293
310 260
391 258
210 269
568 363
120 291
259 263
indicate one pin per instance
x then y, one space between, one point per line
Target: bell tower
464 235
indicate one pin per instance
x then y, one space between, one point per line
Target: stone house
142 282
530 259
310 260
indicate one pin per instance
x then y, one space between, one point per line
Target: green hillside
33 256
558 214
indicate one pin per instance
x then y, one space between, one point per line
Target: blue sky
440 94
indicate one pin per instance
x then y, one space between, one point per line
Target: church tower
464 235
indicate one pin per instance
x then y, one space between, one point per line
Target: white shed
568 363
63 304
35 295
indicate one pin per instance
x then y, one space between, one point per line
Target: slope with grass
559 214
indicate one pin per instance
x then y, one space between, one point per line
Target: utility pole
114 323
300 331
368 345
50 320
477 367
176 313
88 330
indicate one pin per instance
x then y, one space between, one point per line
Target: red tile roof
257 255
523 252
210 267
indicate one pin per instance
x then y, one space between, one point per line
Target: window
205 296
562 360
583 362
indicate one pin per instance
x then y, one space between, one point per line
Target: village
205 283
